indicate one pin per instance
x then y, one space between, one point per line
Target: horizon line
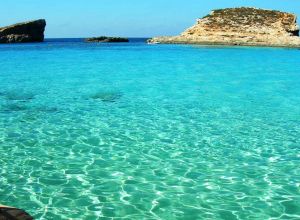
83 37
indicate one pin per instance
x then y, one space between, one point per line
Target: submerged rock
26 107
107 96
104 39
241 26
17 96
13 107
32 31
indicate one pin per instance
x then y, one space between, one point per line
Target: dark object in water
107 96
104 39
14 107
31 31
10 213
18 107
17 96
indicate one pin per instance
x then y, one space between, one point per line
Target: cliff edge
32 31
241 26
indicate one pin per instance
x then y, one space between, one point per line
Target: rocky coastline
240 26
25 32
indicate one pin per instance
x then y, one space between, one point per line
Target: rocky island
240 26
104 39
31 31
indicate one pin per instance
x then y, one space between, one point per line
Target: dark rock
13 213
104 39
32 31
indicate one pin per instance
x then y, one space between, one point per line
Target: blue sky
131 18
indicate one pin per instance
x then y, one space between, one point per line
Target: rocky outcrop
241 26
32 31
104 39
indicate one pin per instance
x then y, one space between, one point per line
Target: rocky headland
31 31
240 26
104 39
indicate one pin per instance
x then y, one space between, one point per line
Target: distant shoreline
144 41
53 38
232 44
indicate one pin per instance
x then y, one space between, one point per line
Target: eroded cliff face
32 31
241 26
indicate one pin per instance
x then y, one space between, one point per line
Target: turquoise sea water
137 131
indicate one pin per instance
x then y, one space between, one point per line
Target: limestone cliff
241 26
32 31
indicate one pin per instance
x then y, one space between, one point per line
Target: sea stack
25 32
240 26
104 39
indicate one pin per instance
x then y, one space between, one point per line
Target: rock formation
241 26
104 39
32 31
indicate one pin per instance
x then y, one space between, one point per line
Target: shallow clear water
136 131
